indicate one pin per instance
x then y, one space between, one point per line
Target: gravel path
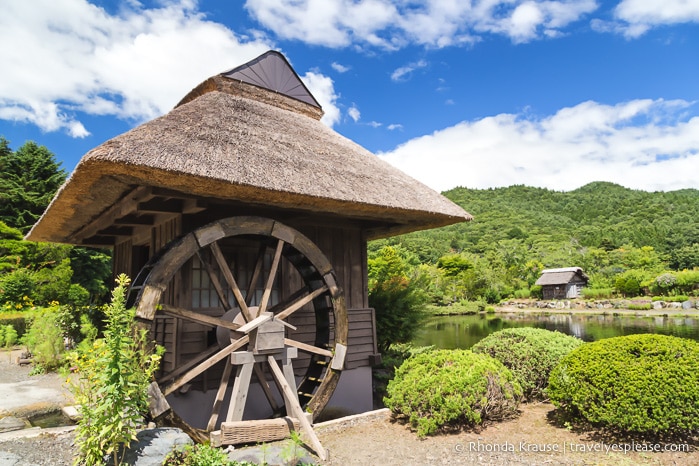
531 439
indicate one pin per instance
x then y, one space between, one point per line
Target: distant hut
563 283
244 222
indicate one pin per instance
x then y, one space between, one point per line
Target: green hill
603 227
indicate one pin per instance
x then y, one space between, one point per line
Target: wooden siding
361 338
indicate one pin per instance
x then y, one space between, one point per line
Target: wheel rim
288 249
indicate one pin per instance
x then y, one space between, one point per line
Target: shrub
452 388
8 336
536 291
635 383
530 353
16 319
198 455
14 286
597 293
44 339
522 293
639 306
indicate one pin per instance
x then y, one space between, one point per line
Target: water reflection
464 331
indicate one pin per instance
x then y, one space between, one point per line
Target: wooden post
290 395
241 385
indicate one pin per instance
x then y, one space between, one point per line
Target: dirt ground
534 438
531 439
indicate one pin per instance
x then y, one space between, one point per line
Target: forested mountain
603 227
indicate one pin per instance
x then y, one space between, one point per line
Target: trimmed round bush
446 389
646 384
530 353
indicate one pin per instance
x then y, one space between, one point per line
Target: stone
687 305
658 304
10 423
152 446
72 413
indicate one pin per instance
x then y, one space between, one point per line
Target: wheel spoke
308 348
198 318
214 281
220 394
256 274
301 301
189 364
266 388
230 280
270 278
296 408
183 379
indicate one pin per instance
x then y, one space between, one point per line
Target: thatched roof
234 141
561 276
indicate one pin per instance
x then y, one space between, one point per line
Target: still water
451 332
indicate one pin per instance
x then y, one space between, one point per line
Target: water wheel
253 333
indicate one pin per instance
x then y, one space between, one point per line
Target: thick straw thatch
233 141
561 276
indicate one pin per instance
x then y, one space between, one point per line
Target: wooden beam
99 241
135 220
127 205
158 205
198 318
116 231
212 361
308 348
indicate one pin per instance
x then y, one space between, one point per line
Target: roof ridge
272 71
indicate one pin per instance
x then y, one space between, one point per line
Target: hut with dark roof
562 283
244 222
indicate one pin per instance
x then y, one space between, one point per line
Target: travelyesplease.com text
573 447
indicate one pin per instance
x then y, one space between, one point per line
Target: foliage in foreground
198 455
636 383
445 389
530 353
111 390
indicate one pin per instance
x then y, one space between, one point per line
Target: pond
450 332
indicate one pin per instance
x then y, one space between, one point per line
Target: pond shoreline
594 312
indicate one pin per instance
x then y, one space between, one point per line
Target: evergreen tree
29 177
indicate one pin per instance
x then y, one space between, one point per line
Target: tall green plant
398 299
112 386
44 339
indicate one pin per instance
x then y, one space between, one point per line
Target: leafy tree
29 177
92 268
685 257
44 272
397 297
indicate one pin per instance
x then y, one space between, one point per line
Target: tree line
38 274
628 242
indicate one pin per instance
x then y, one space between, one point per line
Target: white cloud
323 89
354 113
395 126
70 57
633 18
641 144
339 68
436 23
400 73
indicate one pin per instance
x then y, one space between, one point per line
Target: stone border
353 420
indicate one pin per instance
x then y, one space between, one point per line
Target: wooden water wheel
253 333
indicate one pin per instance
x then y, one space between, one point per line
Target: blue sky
482 94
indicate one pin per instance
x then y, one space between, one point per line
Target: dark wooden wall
343 244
